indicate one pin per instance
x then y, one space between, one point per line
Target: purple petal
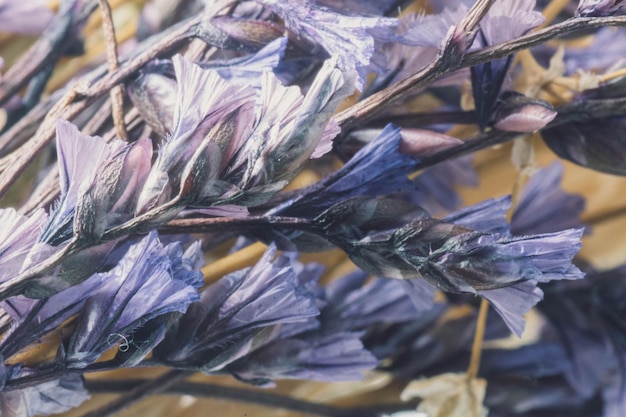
511 303
544 207
335 357
141 287
238 314
354 40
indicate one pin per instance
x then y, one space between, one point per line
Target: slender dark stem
230 224
139 392
446 63
242 395
55 373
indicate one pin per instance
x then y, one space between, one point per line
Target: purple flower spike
147 283
236 315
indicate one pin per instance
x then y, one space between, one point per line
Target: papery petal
236 315
141 287
353 39
335 357
203 100
80 157
544 207
511 303
249 69
353 306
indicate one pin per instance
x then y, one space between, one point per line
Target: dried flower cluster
142 189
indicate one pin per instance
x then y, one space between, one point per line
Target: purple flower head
353 306
288 130
149 281
197 115
111 198
236 315
448 255
598 8
377 168
355 40
80 159
249 69
32 319
435 188
51 397
334 357
544 207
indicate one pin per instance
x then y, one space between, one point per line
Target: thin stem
477 345
117 95
371 106
139 392
222 224
248 396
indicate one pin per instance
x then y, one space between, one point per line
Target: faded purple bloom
51 397
333 357
236 315
451 257
196 115
111 198
288 130
597 8
435 187
25 17
606 51
32 319
149 281
377 168
249 69
352 305
80 158
544 207
354 39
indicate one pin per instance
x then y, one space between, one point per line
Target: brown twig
117 94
